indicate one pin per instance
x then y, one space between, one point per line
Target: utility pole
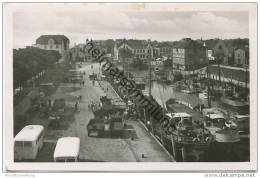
150 75
209 103
127 79
219 75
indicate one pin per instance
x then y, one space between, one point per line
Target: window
18 144
27 144
57 46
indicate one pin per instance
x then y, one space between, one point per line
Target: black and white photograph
124 83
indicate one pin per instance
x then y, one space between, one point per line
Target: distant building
141 49
221 52
210 55
241 56
79 53
189 55
165 49
53 42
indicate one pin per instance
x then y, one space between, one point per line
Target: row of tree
30 61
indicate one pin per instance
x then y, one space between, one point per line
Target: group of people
93 106
82 83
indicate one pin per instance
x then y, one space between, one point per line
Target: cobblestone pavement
102 149
111 149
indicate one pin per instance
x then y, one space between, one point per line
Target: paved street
103 149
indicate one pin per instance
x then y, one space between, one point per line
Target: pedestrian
83 83
76 106
49 102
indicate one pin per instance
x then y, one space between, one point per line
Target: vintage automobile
95 127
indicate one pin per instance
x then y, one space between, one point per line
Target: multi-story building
79 53
140 49
165 49
53 42
221 52
241 56
189 55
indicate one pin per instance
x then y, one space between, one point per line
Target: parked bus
67 149
28 142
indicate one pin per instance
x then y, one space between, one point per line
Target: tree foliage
28 62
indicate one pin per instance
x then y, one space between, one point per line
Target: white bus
28 142
67 149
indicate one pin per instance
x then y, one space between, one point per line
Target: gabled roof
164 44
135 44
58 39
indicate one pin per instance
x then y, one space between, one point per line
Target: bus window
60 160
18 144
27 144
70 160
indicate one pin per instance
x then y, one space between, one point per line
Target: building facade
53 42
79 53
221 52
241 56
189 55
140 49
165 49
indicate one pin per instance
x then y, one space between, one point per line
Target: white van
28 142
67 149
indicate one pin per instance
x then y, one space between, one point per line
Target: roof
58 39
67 147
164 44
178 114
135 44
242 116
187 43
213 110
215 116
29 133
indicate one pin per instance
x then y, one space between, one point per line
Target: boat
219 126
203 95
232 101
188 91
191 139
227 135
242 122
187 128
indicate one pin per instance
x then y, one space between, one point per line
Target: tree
28 62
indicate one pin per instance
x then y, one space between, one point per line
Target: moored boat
233 102
219 126
203 95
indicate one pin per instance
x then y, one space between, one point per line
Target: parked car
95 127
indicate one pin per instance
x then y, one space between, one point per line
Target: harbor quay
140 147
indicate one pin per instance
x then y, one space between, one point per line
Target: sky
154 25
